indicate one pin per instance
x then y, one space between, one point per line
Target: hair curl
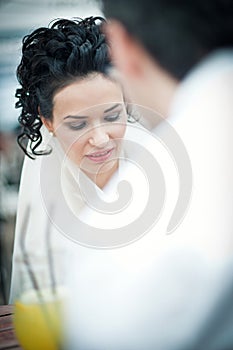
52 58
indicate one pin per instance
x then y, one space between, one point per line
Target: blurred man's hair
177 33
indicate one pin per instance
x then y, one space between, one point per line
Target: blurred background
18 18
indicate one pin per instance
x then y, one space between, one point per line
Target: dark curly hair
52 58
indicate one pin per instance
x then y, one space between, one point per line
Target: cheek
119 131
64 137
70 140
73 149
76 152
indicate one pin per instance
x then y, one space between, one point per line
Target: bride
73 115
77 146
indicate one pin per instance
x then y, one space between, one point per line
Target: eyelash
113 118
110 119
77 127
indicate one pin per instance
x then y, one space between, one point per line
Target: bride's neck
102 178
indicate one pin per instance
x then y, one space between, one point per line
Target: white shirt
166 291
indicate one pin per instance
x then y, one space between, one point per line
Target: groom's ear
126 52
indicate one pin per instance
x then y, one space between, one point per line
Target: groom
176 57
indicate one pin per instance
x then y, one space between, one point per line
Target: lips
100 156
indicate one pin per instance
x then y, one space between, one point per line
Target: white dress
64 208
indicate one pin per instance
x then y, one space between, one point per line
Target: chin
100 168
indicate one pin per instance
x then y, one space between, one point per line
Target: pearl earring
51 133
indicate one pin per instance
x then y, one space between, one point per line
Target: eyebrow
84 117
111 108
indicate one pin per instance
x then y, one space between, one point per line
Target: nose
99 137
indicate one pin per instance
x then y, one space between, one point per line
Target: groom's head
165 38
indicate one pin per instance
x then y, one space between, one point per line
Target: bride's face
89 120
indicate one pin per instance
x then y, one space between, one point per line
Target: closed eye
112 118
77 126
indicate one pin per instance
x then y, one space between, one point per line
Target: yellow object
38 325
